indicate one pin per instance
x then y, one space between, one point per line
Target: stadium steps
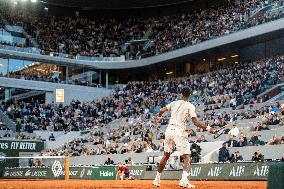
60 138
269 151
7 121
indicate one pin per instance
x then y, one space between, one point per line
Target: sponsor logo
56 168
35 173
82 173
13 173
215 171
237 171
261 171
89 172
106 174
136 172
194 172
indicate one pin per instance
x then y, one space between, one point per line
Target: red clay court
88 184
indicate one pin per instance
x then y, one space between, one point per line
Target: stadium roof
115 4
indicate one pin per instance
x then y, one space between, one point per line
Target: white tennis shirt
180 112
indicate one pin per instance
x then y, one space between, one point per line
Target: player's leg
168 145
161 167
185 150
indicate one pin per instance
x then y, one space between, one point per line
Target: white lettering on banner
136 172
22 146
194 171
82 173
27 146
262 171
89 172
4 146
56 168
13 173
35 173
106 174
215 171
238 171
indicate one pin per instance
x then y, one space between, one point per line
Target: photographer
257 156
195 153
235 157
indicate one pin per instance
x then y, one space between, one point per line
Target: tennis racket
219 132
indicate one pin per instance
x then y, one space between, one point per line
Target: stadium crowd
233 87
106 37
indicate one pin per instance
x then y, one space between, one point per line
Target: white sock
184 175
158 176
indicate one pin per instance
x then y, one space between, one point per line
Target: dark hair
186 91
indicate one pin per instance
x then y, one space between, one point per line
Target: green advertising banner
16 146
46 173
104 173
226 171
12 148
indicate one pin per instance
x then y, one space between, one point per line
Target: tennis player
176 135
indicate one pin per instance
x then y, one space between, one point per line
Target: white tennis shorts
178 138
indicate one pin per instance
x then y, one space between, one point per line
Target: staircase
7 121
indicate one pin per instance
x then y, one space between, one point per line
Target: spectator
232 142
234 131
224 153
242 142
259 141
51 137
257 156
254 138
282 158
274 141
109 162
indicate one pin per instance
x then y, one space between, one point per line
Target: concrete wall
72 92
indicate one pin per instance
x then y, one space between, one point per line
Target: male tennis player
176 134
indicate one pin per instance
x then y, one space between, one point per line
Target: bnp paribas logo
56 168
2 157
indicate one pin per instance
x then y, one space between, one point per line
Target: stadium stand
107 37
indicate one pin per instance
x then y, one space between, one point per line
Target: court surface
91 184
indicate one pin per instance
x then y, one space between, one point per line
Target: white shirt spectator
234 131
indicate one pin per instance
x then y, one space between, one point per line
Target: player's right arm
162 111
197 123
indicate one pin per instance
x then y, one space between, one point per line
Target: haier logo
237 171
106 174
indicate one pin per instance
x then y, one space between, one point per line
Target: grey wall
72 92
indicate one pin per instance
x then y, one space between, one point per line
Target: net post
66 165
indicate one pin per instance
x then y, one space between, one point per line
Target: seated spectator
51 137
274 141
235 157
242 142
232 142
234 131
253 138
224 153
257 156
259 141
109 162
